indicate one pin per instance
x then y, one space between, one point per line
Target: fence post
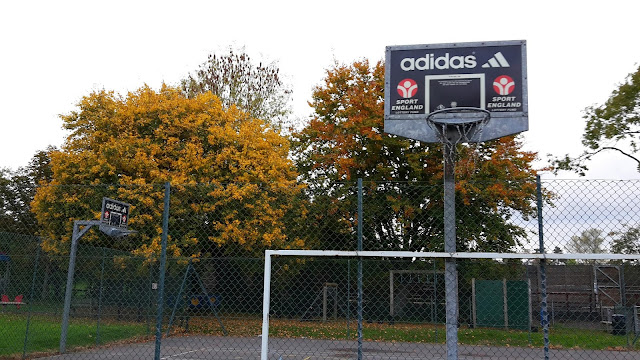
163 261
544 314
348 298
360 305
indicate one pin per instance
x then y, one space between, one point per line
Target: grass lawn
560 337
44 333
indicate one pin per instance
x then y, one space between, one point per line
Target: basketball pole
450 270
78 233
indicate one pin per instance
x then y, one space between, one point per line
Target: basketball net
456 126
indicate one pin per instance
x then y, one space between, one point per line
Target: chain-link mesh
213 292
404 309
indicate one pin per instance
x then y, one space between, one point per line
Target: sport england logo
407 88
497 61
504 85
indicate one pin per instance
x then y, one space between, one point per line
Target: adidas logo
496 61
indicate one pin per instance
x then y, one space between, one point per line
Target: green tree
345 140
257 89
612 126
590 241
627 241
233 180
7 220
17 189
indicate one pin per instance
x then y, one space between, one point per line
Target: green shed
501 303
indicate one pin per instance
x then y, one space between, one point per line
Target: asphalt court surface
236 348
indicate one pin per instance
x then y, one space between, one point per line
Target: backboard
422 79
115 213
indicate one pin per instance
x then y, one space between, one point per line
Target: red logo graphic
504 85
407 88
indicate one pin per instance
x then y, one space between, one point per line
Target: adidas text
430 62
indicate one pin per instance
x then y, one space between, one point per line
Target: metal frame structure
264 354
392 286
78 233
465 118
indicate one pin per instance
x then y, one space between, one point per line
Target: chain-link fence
212 296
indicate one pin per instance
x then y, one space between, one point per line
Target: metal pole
67 295
505 304
544 314
163 261
266 303
450 271
474 317
623 302
348 299
434 305
324 303
360 305
75 237
178 298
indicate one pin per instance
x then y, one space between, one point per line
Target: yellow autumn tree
232 183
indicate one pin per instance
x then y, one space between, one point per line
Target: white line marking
183 353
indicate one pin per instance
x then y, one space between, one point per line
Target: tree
234 78
233 182
627 241
589 241
612 126
345 140
7 220
17 189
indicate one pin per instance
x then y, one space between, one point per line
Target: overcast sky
54 52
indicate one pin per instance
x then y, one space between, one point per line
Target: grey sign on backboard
421 79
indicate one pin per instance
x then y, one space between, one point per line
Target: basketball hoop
458 125
420 80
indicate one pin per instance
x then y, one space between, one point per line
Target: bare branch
622 152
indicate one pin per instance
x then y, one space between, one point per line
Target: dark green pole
163 261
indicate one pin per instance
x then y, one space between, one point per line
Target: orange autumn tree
232 182
403 198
